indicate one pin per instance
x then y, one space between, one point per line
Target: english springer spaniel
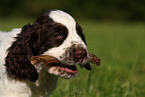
54 33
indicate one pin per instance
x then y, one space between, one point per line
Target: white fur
9 88
12 88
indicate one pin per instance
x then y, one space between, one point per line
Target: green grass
10 23
121 48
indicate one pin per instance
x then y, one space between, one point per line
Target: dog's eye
60 33
59 36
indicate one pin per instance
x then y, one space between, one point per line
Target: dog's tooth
69 76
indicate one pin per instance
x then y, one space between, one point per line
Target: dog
54 33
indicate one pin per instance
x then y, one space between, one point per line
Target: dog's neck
44 86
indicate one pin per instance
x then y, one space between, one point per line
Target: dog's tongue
67 70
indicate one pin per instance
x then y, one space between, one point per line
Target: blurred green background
114 30
127 10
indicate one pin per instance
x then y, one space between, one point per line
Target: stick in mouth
44 59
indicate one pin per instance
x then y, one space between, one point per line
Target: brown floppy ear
17 61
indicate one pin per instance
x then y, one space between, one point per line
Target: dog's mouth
67 71
56 67
67 67
64 71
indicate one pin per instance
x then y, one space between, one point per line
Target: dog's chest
44 86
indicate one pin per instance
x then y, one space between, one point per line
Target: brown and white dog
54 33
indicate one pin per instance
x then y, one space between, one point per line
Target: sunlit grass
121 48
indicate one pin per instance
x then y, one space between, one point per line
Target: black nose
81 53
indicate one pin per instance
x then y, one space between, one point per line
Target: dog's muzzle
76 54
69 58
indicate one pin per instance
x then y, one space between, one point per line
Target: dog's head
72 47
54 33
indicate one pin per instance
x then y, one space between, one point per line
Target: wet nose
81 53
